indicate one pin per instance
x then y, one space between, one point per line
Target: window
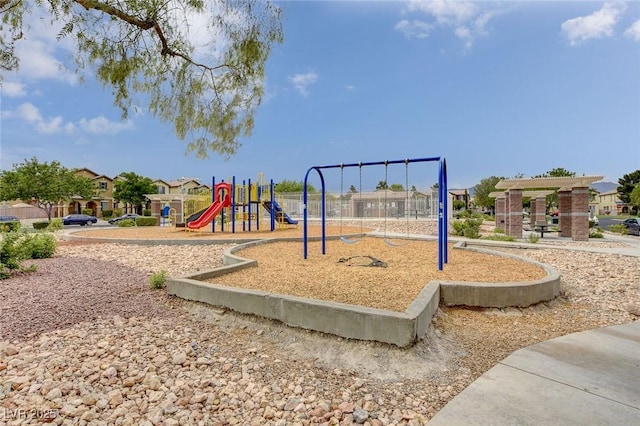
103 185
161 189
104 205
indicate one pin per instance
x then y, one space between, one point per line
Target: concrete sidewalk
592 377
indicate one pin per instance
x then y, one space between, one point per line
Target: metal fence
368 205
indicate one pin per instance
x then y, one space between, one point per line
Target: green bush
618 228
117 212
158 279
40 225
146 221
596 233
471 233
498 231
533 238
126 223
146 212
499 237
9 226
55 225
107 214
12 254
87 212
41 245
469 228
16 247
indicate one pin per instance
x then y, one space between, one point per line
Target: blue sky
497 88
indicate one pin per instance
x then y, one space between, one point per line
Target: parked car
9 223
79 219
132 216
633 226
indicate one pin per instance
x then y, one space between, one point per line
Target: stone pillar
515 212
507 216
580 213
177 206
540 214
564 216
156 210
501 213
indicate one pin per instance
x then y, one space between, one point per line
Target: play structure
234 203
442 202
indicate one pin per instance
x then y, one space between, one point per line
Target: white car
595 220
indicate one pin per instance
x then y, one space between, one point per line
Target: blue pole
249 186
273 210
213 198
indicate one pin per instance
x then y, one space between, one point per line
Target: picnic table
541 227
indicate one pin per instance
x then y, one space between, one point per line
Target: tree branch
143 25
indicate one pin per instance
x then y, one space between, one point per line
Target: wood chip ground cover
282 269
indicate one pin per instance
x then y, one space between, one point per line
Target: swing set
442 204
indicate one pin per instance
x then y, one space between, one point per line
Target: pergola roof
529 194
548 182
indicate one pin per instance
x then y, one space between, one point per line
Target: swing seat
348 241
394 244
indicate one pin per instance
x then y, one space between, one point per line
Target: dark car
9 223
633 226
132 216
6 219
79 219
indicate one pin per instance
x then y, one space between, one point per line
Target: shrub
499 237
146 212
146 221
469 228
158 279
471 232
117 212
107 214
87 212
55 225
498 231
533 238
618 228
596 233
40 225
126 223
39 246
10 226
11 254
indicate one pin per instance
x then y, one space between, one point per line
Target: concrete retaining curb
357 322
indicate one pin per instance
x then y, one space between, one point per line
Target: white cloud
414 29
51 126
350 87
446 11
28 112
39 51
102 125
597 25
633 31
13 89
466 19
31 114
302 81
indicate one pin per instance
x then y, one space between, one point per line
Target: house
102 201
460 195
608 203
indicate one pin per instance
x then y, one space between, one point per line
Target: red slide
223 191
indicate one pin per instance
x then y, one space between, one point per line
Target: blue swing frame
442 203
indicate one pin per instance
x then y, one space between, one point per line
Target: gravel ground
85 341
